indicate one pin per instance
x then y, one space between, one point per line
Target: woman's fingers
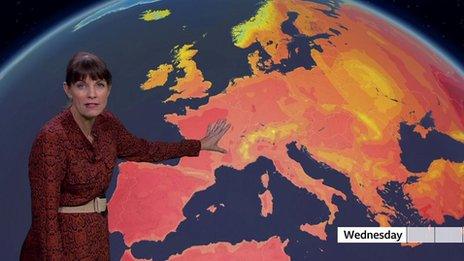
216 130
217 126
220 134
208 131
224 130
223 123
214 133
221 129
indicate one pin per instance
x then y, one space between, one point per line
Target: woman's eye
101 85
80 85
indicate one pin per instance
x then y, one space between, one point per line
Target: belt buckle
99 205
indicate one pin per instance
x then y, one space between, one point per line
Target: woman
71 162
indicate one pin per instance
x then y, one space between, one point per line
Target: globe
341 117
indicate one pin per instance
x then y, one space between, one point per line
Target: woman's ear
66 90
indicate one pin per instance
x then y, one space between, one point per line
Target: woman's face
89 97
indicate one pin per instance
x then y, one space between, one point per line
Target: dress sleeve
46 172
130 147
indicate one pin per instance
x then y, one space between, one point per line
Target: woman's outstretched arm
130 147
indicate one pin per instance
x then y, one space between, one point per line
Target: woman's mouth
91 105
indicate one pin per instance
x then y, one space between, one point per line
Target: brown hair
84 64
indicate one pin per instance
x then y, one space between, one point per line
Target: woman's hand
213 135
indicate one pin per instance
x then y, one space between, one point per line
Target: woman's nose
92 91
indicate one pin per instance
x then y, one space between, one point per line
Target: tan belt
95 205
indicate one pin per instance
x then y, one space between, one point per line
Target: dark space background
22 21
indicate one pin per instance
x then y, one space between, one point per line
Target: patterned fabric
66 169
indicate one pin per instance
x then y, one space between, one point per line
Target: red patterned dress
66 169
